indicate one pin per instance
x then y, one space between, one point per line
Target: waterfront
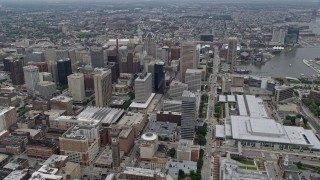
279 65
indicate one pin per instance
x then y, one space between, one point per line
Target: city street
208 151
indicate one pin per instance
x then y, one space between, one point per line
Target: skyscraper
188 115
31 76
97 57
115 148
102 86
232 50
64 70
150 44
294 32
76 86
278 36
189 58
16 72
193 79
159 77
51 59
143 87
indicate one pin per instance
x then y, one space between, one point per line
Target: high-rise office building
193 79
97 57
16 72
64 70
159 77
278 36
102 86
188 115
232 50
165 54
189 58
115 148
177 88
31 76
51 59
76 86
112 56
294 33
150 44
143 87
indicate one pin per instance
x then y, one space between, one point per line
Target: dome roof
149 136
150 35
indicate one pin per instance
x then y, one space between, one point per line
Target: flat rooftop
16 175
163 128
268 130
62 98
143 105
104 115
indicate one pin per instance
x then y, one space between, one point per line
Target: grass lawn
243 161
248 167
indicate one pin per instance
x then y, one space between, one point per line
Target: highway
207 168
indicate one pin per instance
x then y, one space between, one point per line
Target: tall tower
97 57
115 148
150 44
64 70
143 87
159 77
76 86
31 76
16 72
102 86
232 52
188 115
189 58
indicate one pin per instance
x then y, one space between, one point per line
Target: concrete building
76 87
177 88
193 79
16 72
148 146
188 115
190 54
31 76
186 151
232 50
46 89
80 144
131 173
41 148
172 105
135 120
115 149
102 87
62 103
278 36
150 44
43 67
64 70
283 93
143 87
8 99
105 159
168 116
97 57
8 116
164 130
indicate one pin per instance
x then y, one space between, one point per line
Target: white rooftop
104 115
222 98
267 130
255 107
16 175
142 105
62 98
220 131
241 106
231 98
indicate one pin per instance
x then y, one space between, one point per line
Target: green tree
172 152
181 174
202 140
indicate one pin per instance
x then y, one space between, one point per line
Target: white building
177 88
102 86
193 79
76 87
149 145
143 87
172 105
31 76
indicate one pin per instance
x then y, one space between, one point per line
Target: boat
290 65
306 62
302 75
